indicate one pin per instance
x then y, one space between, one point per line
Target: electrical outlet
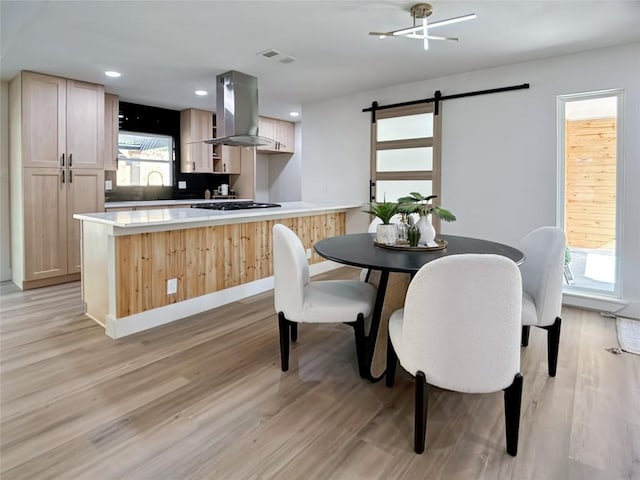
172 286
108 185
182 184
308 253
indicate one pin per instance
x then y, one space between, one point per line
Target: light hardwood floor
205 398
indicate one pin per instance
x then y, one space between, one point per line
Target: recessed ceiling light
201 93
294 114
113 74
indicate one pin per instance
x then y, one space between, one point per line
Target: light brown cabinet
195 155
62 121
52 236
111 127
229 160
56 158
281 131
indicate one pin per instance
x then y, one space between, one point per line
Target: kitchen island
145 268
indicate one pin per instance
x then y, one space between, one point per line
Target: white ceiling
167 49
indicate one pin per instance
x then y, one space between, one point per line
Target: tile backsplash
196 184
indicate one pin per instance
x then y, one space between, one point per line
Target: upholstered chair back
462 323
290 271
542 271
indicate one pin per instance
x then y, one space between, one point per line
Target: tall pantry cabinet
56 136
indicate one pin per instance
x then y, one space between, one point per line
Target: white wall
262 177
285 173
499 151
5 228
278 175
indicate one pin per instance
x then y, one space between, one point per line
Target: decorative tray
442 244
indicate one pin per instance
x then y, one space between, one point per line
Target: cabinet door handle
62 160
70 176
62 175
194 166
70 159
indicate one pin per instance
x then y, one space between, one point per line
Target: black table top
358 250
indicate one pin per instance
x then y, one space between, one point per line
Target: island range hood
237 111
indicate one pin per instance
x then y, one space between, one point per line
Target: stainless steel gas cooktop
235 205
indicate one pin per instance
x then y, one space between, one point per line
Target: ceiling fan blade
377 34
436 37
449 21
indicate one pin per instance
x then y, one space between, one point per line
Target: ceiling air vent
278 56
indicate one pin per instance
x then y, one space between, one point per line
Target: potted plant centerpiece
423 206
386 232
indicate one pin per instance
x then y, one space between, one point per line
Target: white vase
386 234
427 232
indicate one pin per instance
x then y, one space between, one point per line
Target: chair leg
358 330
421 407
512 402
525 335
283 325
553 345
392 361
294 331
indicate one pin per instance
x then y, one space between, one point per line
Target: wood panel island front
145 268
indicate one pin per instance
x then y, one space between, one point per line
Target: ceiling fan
420 30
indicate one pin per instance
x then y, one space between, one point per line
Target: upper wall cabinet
228 161
281 131
196 126
62 122
111 126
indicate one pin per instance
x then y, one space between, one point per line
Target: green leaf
383 210
444 214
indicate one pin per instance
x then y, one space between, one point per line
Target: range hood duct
237 111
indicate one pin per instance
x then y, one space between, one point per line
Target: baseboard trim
593 302
47 282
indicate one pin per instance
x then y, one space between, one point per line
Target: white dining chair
299 300
542 273
460 330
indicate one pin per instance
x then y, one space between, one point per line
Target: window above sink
144 159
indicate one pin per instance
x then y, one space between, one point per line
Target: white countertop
175 216
158 203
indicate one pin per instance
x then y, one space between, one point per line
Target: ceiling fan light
421 32
382 37
449 21
426 38
406 31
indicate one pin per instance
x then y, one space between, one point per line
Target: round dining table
359 250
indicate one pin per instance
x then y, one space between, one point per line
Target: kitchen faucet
151 173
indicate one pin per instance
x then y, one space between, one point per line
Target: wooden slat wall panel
168 260
134 274
590 182
196 267
205 259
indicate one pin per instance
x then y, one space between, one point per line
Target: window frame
170 161
561 102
